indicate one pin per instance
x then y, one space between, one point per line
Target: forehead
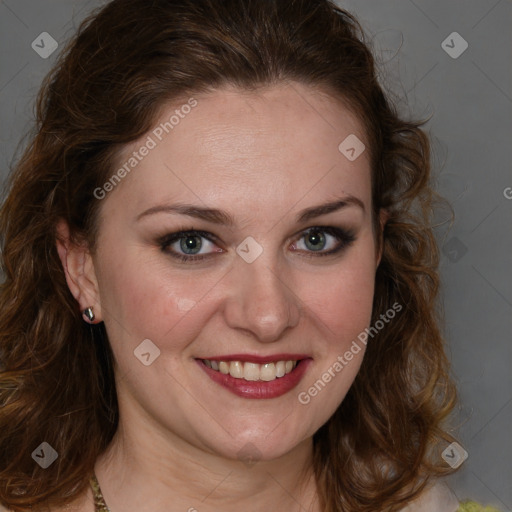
279 144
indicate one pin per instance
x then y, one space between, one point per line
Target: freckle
185 304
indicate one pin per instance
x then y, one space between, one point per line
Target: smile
252 371
252 379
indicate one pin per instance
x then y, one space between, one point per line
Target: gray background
469 99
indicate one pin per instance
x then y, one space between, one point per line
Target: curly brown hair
382 445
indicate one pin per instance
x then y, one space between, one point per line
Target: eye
193 245
188 245
324 240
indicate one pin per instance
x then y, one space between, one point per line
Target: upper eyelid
177 235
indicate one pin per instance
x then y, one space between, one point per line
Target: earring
89 314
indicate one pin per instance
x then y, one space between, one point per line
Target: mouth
250 378
252 371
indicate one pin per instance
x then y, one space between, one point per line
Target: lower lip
259 388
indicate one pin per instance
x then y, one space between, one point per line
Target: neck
146 469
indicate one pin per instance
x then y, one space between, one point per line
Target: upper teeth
252 371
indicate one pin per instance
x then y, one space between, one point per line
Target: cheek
143 298
342 299
341 306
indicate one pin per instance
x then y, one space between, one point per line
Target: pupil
316 240
190 243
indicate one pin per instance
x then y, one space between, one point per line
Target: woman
220 276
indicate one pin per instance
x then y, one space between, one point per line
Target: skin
263 157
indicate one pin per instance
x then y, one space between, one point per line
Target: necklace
99 501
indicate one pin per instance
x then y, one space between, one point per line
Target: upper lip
253 358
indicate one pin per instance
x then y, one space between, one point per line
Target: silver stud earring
89 314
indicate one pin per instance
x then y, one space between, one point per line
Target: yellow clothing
471 506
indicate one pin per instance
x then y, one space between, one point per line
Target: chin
259 442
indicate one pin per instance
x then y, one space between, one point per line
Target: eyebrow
221 217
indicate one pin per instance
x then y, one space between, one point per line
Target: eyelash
345 238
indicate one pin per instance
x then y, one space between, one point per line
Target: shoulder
440 498
437 496
471 506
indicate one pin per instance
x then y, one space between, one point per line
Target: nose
262 304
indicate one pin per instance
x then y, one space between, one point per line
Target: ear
383 218
79 270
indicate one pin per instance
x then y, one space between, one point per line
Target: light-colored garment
471 506
439 498
436 498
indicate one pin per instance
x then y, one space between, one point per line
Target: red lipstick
259 388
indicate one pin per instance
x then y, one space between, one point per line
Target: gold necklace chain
99 501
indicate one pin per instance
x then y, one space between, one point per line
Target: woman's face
264 288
